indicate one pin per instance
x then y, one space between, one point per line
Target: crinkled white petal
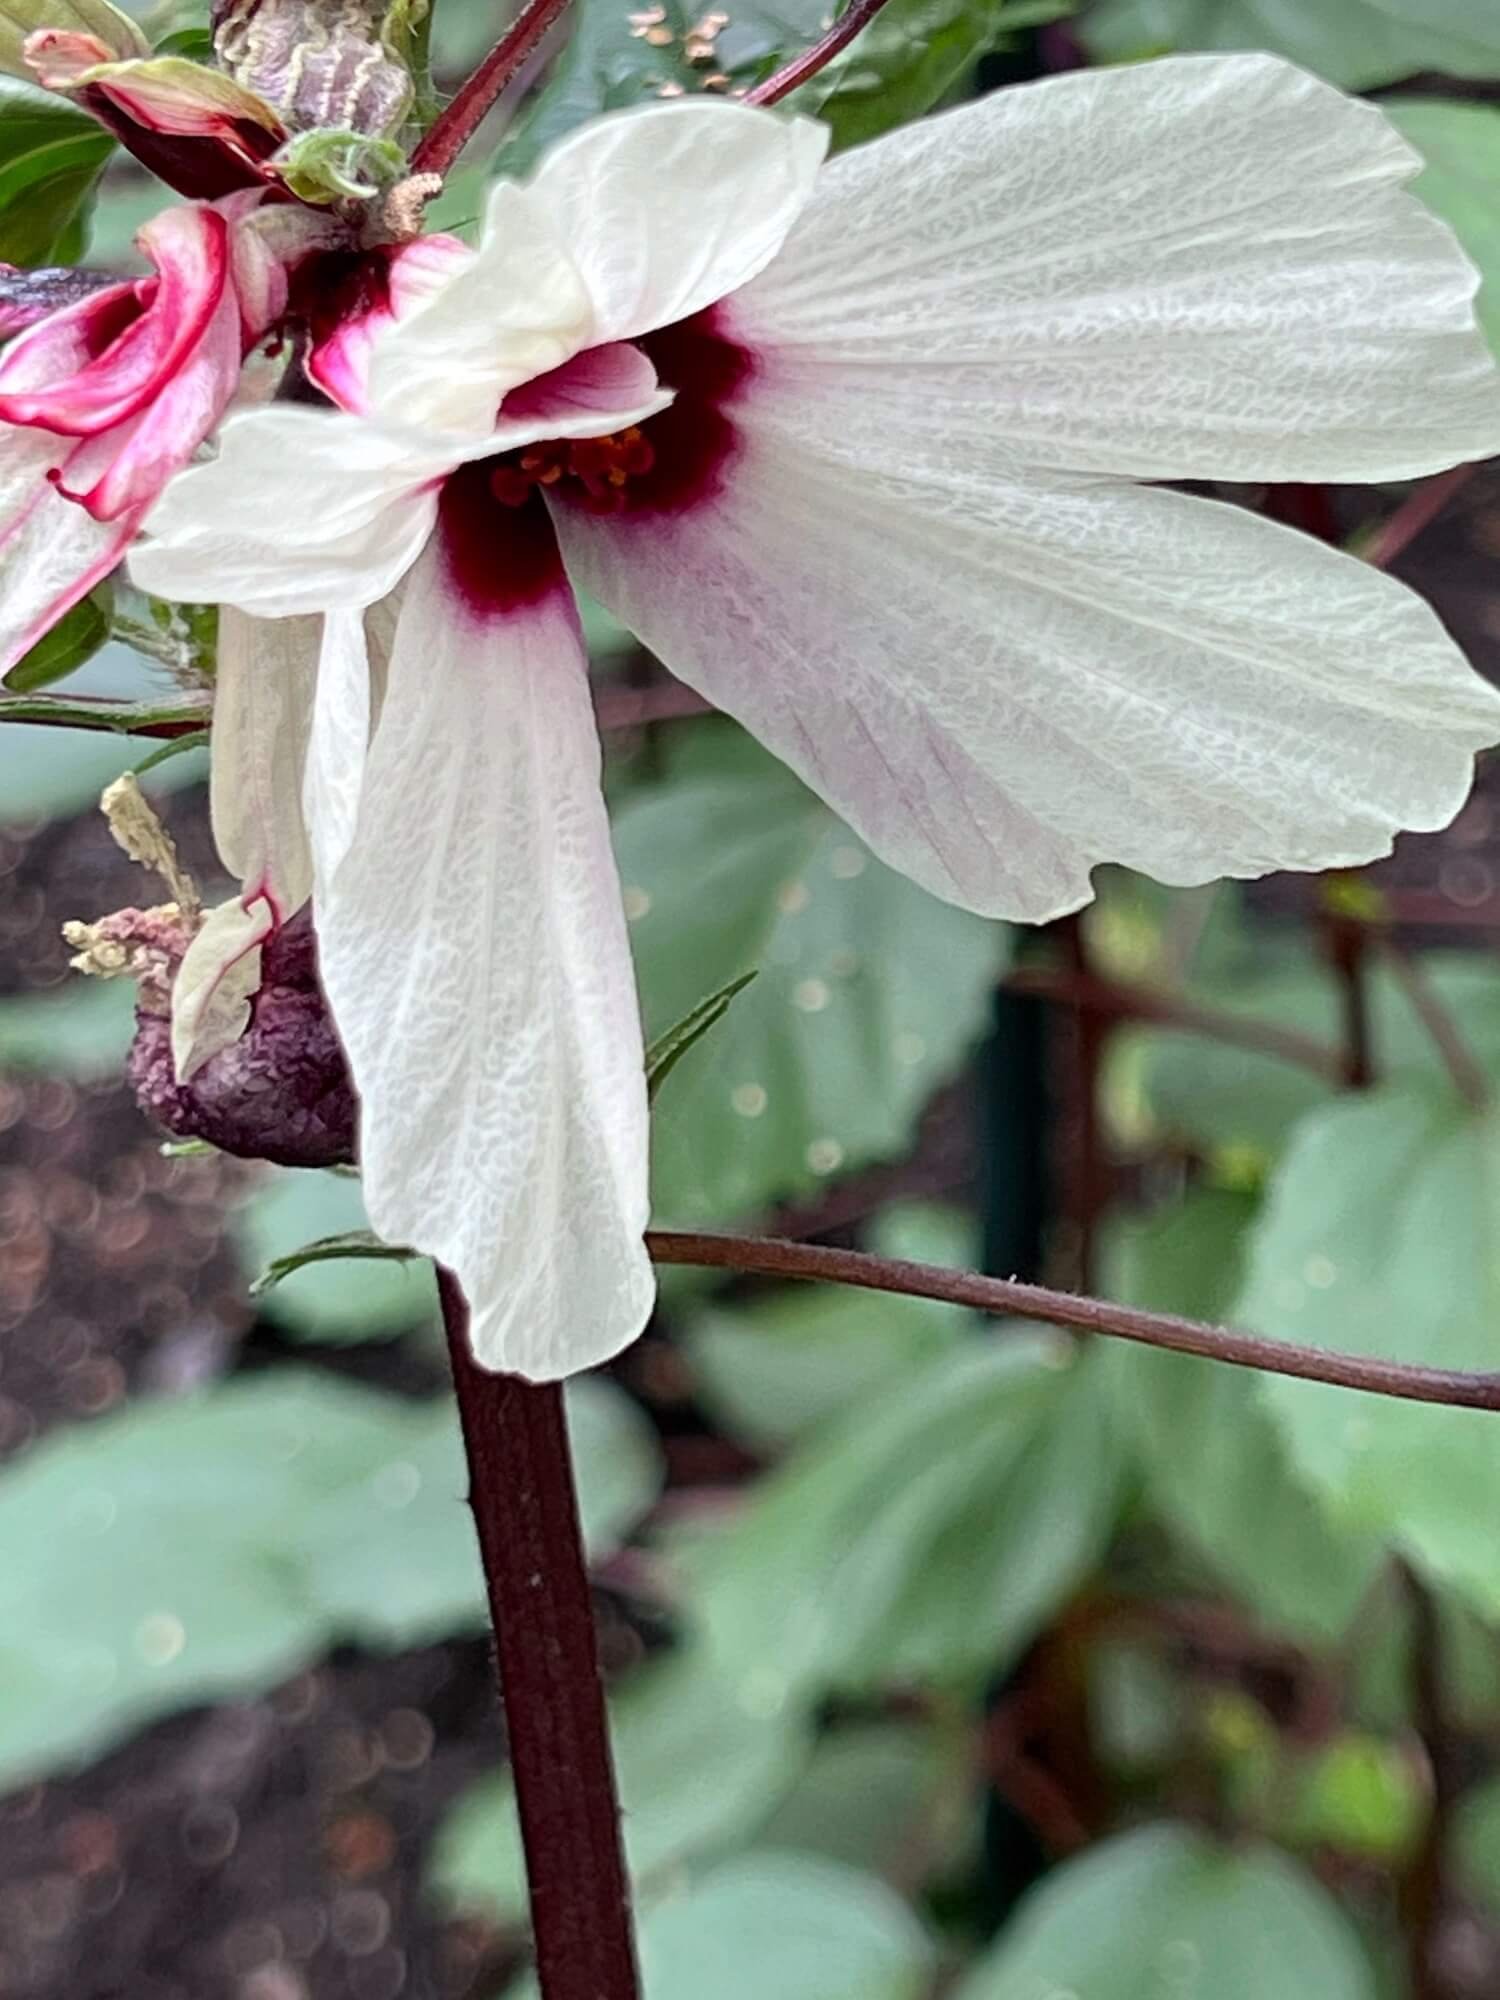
51 551
340 739
1203 267
303 509
668 208
517 309
263 695
1002 685
473 950
220 972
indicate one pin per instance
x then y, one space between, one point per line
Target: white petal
517 309
302 509
340 740
473 949
1001 686
263 693
667 209
220 971
51 551
1201 267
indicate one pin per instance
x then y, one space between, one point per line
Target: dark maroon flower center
497 534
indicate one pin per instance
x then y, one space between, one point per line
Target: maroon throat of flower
496 529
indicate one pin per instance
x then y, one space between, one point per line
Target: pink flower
102 400
872 454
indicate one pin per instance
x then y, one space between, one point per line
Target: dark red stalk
459 121
526 1512
773 1257
857 16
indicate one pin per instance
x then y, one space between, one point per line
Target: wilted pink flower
871 454
102 400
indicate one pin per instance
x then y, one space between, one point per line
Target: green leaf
332 164
202 1548
781 1927
50 157
82 1030
1163 1910
1215 1466
776 1369
869 996
1477 1843
1223 1097
668 1050
1354 43
356 1243
699 1766
322 1274
1382 1235
393 1562
909 58
1461 182
76 637
870 1787
927 1536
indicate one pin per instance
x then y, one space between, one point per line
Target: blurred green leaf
668 1050
1461 183
1164 1910
781 1927
775 1369
700 1757
346 1293
910 57
926 1536
1214 1463
393 1562
1477 1843
51 156
1382 1235
873 1791
76 637
203 1547
870 991
1222 1097
1354 43
81 1029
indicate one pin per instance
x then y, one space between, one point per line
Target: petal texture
1203 267
303 509
263 693
667 209
51 552
473 948
1003 685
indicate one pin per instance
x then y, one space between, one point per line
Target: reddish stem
774 1257
526 1512
459 121
783 81
1417 511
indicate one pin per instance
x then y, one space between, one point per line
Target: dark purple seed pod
282 1092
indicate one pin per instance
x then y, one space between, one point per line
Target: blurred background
946 1656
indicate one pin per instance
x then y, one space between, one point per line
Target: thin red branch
1168 1010
459 121
526 1511
856 17
1463 1066
1417 511
773 1257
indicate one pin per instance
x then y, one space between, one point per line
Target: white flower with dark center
868 453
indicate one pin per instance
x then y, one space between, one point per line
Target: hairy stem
526 1512
456 125
774 1257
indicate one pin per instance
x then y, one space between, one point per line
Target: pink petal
386 286
190 248
51 552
